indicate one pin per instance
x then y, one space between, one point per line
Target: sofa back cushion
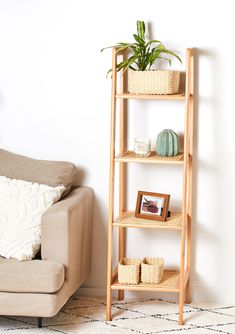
52 173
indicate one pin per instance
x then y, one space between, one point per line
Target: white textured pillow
22 204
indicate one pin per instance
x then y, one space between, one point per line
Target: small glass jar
142 147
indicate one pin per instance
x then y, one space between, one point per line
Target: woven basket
129 271
152 270
153 82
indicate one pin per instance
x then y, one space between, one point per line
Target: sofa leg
39 322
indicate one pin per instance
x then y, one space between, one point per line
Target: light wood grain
170 283
186 277
151 97
190 174
115 274
111 185
129 220
130 156
122 170
185 186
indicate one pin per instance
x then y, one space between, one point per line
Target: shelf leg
188 297
109 270
120 294
109 275
187 294
39 322
181 309
108 305
121 254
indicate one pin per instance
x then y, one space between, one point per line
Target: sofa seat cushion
37 276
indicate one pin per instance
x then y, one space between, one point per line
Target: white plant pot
153 82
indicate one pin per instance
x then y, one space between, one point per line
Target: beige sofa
39 288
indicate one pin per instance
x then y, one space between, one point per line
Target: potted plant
142 79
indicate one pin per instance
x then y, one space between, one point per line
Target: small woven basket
129 271
152 270
153 82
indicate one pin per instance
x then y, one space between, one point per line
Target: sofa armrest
66 234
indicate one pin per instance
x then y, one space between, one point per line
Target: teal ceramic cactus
167 143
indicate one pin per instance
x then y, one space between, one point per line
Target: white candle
142 147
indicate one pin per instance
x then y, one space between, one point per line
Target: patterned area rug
140 316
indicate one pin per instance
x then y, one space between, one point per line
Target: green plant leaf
109 71
173 54
107 47
131 46
153 41
118 46
138 39
141 29
127 63
167 59
153 56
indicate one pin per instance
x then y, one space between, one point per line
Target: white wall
55 104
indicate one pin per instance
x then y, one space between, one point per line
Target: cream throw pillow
22 204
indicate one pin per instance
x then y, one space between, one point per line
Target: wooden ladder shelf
173 281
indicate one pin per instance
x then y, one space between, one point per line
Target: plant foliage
143 53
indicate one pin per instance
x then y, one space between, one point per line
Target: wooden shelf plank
130 156
170 283
129 220
179 96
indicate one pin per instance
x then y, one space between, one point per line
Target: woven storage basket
152 270
129 271
153 82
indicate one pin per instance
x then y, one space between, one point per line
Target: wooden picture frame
155 209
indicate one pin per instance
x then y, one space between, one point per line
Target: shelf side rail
185 182
111 185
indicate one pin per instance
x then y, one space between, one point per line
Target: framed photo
152 206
